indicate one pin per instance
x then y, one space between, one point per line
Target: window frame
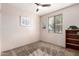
60 29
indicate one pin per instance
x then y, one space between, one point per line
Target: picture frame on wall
44 24
24 21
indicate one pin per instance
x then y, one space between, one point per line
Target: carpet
40 49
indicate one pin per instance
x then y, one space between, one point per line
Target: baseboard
34 43
52 43
22 46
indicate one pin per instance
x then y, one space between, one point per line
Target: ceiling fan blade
46 5
38 4
43 5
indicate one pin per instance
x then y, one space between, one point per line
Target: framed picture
24 21
44 22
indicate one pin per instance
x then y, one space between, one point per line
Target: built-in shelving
72 39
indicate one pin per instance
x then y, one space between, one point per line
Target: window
55 23
51 24
25 21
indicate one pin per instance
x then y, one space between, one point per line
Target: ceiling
31 7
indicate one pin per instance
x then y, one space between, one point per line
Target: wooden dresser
72 39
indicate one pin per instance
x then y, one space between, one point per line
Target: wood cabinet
72 39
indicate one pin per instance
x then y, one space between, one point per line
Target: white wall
15 35
0 29
70 17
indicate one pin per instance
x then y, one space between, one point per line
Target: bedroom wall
13 34
70 17
0 29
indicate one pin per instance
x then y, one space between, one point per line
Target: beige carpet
40 49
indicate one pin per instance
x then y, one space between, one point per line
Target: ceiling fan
42 5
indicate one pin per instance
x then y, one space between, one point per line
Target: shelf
72 44
73 34
73 30
73 39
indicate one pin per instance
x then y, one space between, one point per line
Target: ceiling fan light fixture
37 10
